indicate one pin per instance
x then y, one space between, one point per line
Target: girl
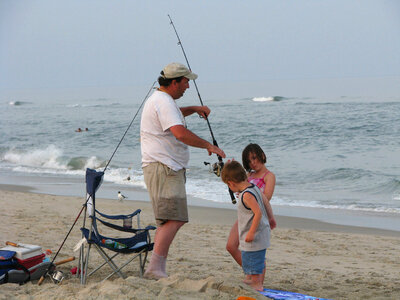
254 159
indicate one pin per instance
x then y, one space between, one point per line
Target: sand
306 256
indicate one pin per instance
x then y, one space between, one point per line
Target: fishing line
217 167
127 129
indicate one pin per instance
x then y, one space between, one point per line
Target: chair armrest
119 217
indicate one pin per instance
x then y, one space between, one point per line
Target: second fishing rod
218 166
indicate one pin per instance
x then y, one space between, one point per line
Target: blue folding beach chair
138 244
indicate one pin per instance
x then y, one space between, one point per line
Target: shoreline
213 216
73 186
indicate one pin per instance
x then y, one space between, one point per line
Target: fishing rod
217 167
89 196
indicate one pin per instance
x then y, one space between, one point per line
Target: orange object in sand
12 244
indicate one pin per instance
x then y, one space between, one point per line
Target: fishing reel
216 168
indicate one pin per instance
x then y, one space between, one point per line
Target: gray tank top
245 217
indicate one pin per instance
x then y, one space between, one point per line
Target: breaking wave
50 158
266 99
17 103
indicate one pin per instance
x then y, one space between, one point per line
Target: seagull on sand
120 196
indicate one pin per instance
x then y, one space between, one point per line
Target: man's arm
189 138
202 111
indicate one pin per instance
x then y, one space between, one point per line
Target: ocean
332 157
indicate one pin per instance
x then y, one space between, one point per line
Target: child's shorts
253 262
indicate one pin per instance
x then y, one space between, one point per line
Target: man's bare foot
155 274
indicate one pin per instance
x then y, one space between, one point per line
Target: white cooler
24 251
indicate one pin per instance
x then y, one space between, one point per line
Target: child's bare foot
247 280
257 287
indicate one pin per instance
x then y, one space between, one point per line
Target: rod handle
65 261
12 244
41 280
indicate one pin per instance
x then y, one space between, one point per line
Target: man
165 155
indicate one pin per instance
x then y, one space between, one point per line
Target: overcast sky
47 44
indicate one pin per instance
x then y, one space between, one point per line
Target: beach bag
8 265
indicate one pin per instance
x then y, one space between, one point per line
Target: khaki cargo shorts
167 192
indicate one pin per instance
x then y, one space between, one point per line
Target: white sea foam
47 171
396 196
16 103
47 158
92 162
124 176
269 98
212 190
315 204
90 105
263 99
215 190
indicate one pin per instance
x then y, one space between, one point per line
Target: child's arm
269 180
270 213
251 202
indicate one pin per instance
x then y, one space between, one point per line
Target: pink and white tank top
258 181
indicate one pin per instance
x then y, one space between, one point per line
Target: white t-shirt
158 144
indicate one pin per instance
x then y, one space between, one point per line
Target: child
254 160
253 226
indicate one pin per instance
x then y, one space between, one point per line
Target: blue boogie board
284 295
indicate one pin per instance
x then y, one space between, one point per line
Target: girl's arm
270 213
269 180
251 202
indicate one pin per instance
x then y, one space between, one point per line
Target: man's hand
214 149
203 111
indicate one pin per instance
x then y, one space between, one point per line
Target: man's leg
165 234
168 197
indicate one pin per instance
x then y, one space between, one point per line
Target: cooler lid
24 251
